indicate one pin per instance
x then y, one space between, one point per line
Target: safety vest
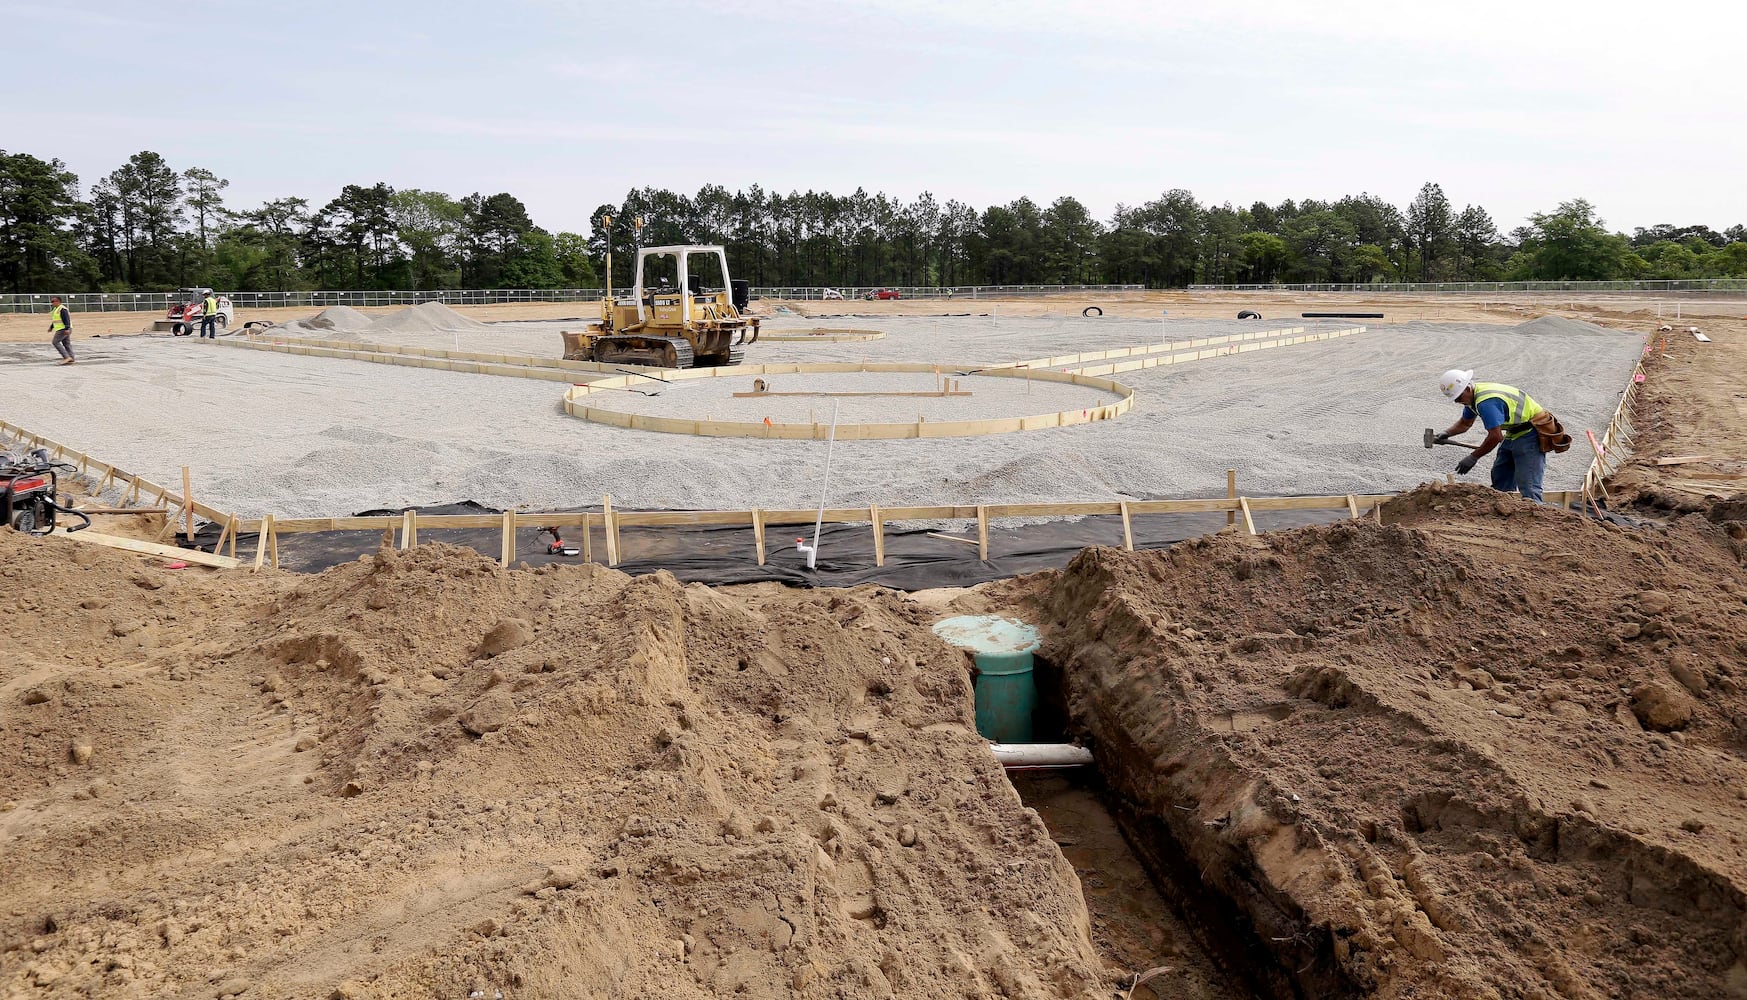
1519 409
57 322
210 306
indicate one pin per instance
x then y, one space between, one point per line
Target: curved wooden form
576 404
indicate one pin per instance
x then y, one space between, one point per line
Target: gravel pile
424 319
300 436
1559 326
327 324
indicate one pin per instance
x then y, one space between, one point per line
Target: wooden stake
169 526
406 530
187 505
758 533
261 540
509 539
982 532
222 535
587 536
611 526
273 545
879 533
1127 528
1230 494
1249 522
1353 506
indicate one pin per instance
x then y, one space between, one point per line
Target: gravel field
947 339
990 399
301 436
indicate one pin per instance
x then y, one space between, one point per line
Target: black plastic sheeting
717 555
915 560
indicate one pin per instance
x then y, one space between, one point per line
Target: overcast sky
1514 106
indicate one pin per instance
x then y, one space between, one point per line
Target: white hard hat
1455 382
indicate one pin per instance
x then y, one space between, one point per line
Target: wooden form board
1139 350
575 404
151 549
1185 357
1615 442
382 352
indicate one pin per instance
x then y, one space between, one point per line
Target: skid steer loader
674 320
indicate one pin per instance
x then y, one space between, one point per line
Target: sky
567 105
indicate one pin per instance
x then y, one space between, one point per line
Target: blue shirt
1492 413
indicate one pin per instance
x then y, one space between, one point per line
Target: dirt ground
1484 749
421 775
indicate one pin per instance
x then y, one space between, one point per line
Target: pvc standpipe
1041 755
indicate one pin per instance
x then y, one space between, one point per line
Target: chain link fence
160 302
1665 286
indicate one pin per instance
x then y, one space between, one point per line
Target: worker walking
209 316
1521 430
61 329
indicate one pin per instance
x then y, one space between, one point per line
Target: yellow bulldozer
683 312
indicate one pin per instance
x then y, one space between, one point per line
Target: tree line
148 226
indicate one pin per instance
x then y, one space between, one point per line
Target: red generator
28 493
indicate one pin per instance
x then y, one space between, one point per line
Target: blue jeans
209 326
1519 467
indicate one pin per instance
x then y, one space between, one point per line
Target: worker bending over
1521 430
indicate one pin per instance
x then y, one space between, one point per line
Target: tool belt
1552 435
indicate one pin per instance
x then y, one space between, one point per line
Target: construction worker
1506 412
209 315
61 329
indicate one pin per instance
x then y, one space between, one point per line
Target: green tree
1572 244
1431 231
39 201
430 224
574 264
204 199
1070 242
1475 237
1264 256
149 201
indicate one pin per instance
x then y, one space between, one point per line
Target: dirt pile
421 775
1486 749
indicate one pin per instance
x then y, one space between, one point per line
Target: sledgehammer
1431 438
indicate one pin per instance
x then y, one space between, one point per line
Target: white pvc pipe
819 522
1041 755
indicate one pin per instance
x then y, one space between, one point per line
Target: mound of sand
1562 327
426 317
1486 743
423 775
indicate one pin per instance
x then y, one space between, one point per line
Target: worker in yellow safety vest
61 329
209 316
1507 413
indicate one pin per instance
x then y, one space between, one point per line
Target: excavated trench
1153 908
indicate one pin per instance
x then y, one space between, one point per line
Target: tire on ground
1249 314
1091 311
